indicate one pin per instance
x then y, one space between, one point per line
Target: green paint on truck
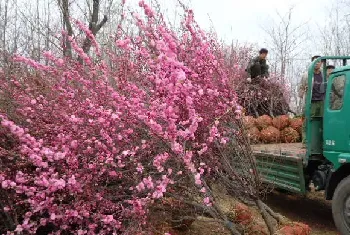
326 159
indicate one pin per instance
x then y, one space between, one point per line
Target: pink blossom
148 182
60 184
74 144
207 201
112 173
139 168
108 219
60 62
4 184
81 232
176 147
223 141
203 150
72 180
197 178
140 187
123 43
59 156
19 229
53 216
159 160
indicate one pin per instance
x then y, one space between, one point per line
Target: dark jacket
257 67
304 85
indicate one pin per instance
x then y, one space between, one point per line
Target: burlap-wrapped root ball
248 122
270 135
254 135
263 122
289 135
297 124
280 122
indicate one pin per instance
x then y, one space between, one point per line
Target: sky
244 20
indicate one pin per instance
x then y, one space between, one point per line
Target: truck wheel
341 206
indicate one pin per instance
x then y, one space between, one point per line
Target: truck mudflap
281 170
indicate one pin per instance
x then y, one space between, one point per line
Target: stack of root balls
268 130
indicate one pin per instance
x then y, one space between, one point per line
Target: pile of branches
263 97
260 96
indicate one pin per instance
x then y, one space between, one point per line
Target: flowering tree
91 144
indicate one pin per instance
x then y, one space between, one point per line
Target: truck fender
334 178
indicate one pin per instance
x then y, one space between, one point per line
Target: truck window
337 91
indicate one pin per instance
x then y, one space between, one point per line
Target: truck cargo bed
281 165
291 150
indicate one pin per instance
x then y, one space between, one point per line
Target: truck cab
326 160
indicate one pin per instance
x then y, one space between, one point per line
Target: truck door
336 114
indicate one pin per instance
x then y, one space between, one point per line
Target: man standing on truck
318 92
257 67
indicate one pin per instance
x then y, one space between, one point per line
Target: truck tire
341 206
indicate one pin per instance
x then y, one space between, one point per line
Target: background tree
335 34
287 41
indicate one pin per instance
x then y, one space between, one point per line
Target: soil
206 226
312 210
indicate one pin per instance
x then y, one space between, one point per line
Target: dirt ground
312 210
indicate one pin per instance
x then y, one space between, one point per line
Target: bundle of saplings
267 130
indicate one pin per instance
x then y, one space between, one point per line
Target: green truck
325 160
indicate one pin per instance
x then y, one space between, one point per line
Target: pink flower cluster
99 142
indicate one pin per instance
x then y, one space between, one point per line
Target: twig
11 224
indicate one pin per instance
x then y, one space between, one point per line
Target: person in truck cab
330 69
318 92
336 99
257 67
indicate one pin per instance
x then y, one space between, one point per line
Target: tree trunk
266 216
67 50
93 26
